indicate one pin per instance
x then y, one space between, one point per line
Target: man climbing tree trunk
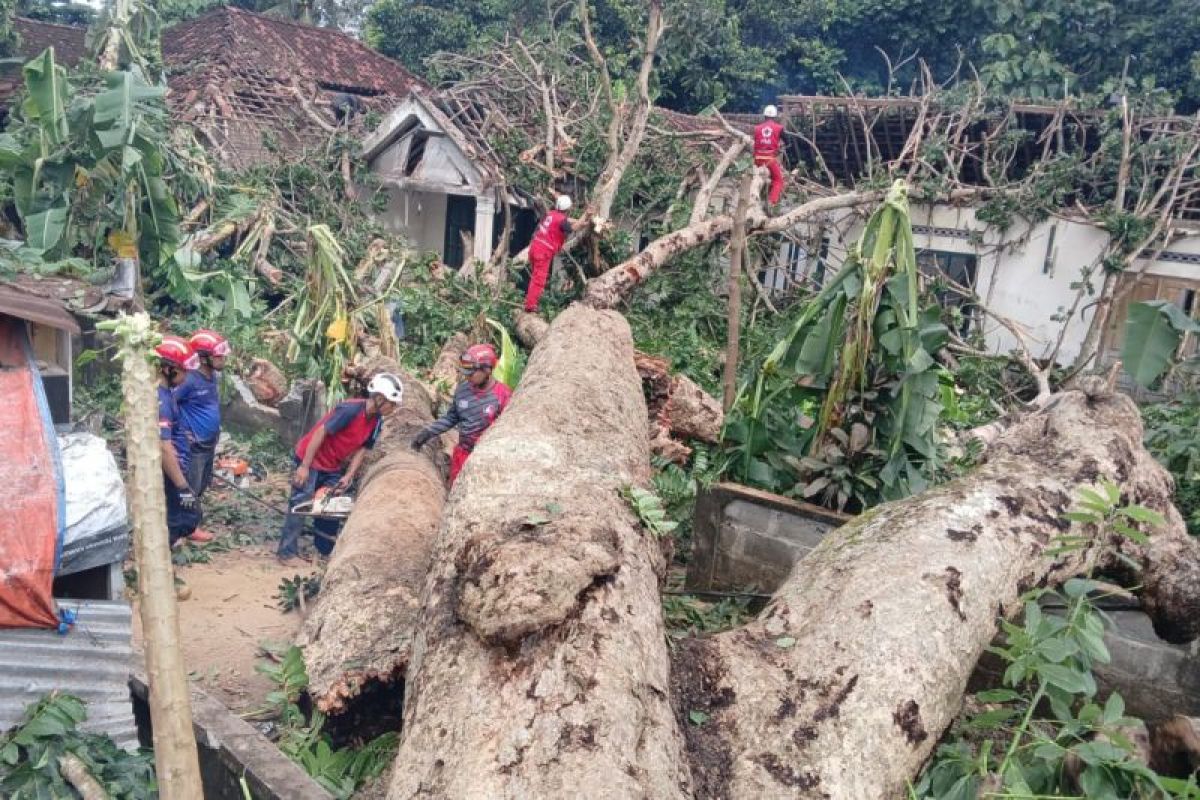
361 628
546 601
540 667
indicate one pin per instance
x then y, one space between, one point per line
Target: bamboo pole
170 704
737 251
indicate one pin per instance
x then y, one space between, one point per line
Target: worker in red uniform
768 136
548 239
476 404
330 456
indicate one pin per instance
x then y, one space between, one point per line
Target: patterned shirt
472 411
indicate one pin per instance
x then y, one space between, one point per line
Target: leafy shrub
30 753
1173 437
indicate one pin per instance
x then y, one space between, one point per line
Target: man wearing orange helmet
476 404
199 402
175 359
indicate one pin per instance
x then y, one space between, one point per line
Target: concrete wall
420 217
747 539
1027 274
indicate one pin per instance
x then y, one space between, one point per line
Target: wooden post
170 702
737 250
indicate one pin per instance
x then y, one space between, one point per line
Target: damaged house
445 186
1028 271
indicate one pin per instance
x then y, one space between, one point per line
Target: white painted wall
1021 275
420 217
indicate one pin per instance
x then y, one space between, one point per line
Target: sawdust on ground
231 612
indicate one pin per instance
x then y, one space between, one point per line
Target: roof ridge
36 21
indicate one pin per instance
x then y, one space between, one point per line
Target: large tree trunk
540 665
842 687
360 631
676 404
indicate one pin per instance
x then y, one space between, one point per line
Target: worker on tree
548 239
175 359
330 456
199 402
476 404
768 136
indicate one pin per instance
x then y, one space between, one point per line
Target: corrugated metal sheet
92 662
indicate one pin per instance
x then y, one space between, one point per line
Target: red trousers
772 165
457 459
540 261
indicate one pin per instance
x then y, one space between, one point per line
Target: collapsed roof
240 78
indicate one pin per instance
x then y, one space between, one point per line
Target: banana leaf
511 364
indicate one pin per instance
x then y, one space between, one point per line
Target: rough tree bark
842 687
540 667
362 625
545 600
677 405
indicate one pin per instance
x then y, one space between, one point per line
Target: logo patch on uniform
463 403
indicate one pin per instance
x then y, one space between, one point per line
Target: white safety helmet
388 385
563 203
771 112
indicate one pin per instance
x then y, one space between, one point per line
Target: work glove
420 439
187 499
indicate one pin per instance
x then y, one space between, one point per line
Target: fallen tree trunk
361 629
540 666
676 404
842 687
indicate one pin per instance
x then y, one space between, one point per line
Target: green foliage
294 592
1172 435
1153 333
736 52
512 361
339 770
1006 749
691 615
852 390
80 166
30 752
649 509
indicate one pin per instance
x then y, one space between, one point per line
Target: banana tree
84 167
851 391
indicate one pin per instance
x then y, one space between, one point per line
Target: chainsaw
325 505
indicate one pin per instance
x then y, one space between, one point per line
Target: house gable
417 146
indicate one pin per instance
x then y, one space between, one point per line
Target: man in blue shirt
175 360
199 402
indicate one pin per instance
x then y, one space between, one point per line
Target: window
949 275
416 151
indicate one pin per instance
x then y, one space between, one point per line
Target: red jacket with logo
768 136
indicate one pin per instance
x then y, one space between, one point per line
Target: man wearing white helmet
551 233
331 454
768 136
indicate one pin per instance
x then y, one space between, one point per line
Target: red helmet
476 356
177 352
209 343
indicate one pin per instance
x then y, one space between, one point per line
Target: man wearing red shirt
768 136
548 239
331 454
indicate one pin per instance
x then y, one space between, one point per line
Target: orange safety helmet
177 352
209 343
476 356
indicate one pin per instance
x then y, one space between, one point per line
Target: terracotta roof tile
283 50
36 36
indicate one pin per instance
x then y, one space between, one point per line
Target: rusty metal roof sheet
23 304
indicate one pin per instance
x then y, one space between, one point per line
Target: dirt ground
232 611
